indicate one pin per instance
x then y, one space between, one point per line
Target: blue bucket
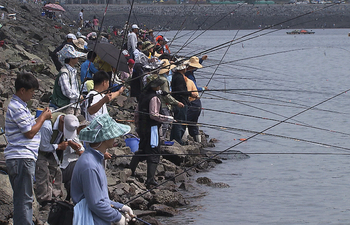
132 142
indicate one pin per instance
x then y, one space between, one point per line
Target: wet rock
163 210
204 180
168 198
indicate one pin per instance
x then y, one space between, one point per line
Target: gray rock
163 210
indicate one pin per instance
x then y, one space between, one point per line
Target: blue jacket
89 181
84 70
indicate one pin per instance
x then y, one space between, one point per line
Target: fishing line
273 104
254 135
275 100
222 58
261 30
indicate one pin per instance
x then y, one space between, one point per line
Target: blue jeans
178 130
21 174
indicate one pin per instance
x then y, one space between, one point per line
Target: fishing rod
273 104
227 149
133 217
265 118
222 58
275 100
263 29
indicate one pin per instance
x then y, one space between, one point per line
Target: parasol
110 54
54 7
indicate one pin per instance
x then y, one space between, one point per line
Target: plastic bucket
132 142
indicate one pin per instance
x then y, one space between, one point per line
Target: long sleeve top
89 181
46 135
69 84
132 41
167 99
84 73
154 106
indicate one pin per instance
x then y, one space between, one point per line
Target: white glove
122 221
129 214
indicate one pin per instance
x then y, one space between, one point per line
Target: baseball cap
70 35
71 123
134 26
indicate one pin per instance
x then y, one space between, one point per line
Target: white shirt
96 98
132 41
81 15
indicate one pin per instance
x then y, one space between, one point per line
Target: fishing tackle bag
61 212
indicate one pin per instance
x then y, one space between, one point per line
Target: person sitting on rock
66 87
148 120
96 101
89 188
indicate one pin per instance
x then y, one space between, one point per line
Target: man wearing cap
89 189
66 87
148 120
47 172
72 127
69 40
132 40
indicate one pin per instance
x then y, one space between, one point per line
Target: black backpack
61 212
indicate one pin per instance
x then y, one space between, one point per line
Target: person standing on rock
96 101
148 121
180 93
167 100
195 105
47 170
81 18
89 188
66 87
132 40
95 22
23 135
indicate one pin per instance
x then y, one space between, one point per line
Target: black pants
193 112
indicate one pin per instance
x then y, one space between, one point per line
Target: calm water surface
297 72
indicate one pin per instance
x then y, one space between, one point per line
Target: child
23 136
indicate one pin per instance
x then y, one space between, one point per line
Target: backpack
61 212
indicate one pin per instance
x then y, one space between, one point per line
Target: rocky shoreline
220 16
26 43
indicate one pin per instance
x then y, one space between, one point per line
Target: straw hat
166 67
79 43
103 128
194 62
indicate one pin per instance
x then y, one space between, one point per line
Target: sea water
283 76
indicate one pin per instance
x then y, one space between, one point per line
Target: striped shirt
19 121
69 85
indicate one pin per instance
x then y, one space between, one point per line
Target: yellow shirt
102 65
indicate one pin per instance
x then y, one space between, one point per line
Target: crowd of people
67 143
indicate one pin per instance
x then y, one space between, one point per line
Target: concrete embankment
219 17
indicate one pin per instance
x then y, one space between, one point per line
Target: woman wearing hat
89 189
148 121
66 87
